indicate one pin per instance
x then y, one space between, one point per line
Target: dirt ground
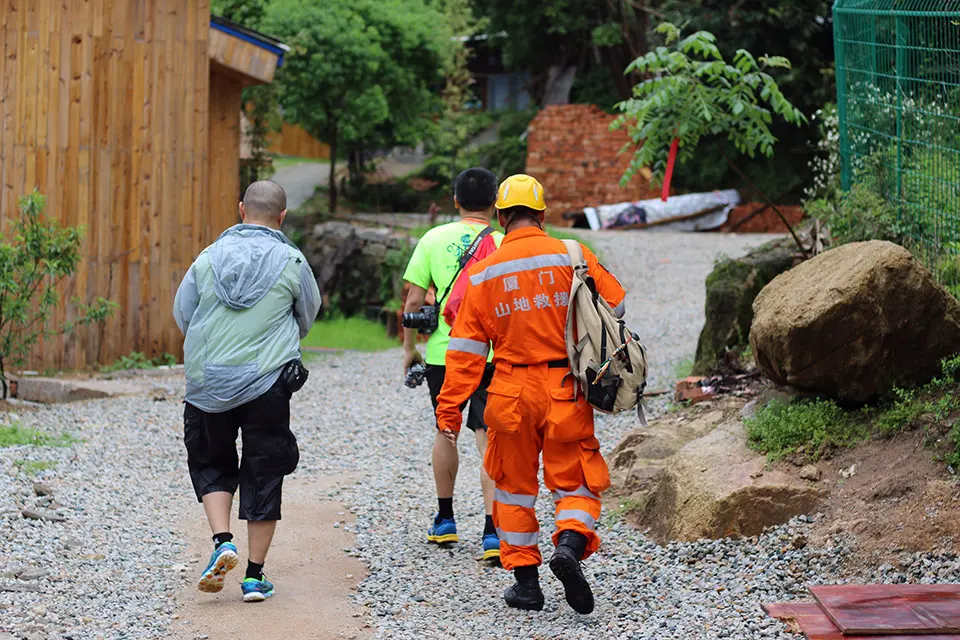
314 578
900 499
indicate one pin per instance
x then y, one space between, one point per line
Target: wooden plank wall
244 57
224 152
103 107
295 141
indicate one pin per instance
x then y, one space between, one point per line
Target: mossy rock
731 288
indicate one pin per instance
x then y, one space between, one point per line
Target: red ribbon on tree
671 161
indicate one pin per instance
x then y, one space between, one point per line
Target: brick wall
572 151
766 222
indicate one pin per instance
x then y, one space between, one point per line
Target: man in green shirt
435 262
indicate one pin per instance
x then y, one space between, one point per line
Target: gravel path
124 492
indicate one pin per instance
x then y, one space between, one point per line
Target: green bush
137 360
859 215
36 255
819 426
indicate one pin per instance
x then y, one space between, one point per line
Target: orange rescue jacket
517 301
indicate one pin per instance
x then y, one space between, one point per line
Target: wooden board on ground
883 609
810 619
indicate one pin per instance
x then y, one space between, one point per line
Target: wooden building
125 115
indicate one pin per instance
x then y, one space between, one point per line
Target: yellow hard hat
521 190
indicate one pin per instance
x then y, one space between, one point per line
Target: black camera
415 375
424 321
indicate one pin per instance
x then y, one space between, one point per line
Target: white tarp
624 214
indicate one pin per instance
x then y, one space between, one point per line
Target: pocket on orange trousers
595 471
503 406
570 418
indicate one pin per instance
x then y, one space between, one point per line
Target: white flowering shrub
825 166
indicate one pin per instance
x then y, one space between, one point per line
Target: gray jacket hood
247 260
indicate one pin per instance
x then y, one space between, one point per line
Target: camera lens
413 320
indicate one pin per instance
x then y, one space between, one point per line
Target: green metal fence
898 86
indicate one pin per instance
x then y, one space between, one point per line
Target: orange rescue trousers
532 409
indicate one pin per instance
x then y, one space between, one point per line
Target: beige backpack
606 358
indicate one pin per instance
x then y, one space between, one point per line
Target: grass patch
357 334
14 435
816 426
683 368
282 162
34 467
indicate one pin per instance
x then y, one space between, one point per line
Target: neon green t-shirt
435 261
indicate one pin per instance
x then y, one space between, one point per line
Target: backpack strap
579 273
464 260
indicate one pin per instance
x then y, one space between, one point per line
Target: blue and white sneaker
224 559
491 548
443 531
256 590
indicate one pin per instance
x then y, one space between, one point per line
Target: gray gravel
108 569
124 487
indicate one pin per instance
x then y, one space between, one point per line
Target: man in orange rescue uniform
517 300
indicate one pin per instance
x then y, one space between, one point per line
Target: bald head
265 202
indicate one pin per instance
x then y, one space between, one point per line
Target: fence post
899 75
840 57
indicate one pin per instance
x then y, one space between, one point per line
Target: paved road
300 181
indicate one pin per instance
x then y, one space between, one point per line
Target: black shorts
269 452
478 401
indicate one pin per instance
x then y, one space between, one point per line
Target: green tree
599 38
692 92
260 102
361 73
249 13
41 256
456 124
799 30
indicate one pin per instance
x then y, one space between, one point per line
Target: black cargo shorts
269 452
478 401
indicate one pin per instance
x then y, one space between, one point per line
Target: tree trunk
332 182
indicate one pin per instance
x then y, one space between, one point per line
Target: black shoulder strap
464 260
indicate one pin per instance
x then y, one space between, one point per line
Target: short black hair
475 189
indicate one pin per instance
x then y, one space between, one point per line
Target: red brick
572 151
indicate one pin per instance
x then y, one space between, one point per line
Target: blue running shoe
443 531
491 548
256 590
224 559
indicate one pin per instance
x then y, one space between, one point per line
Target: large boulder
731 288
357 268
853 322
697 478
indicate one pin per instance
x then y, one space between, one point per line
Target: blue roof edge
279 51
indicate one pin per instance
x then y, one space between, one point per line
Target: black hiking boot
526 593
565 564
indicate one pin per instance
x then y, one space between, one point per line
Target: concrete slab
54 390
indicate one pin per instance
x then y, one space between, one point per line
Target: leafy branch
690 92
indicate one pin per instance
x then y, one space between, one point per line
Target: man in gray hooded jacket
243 306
